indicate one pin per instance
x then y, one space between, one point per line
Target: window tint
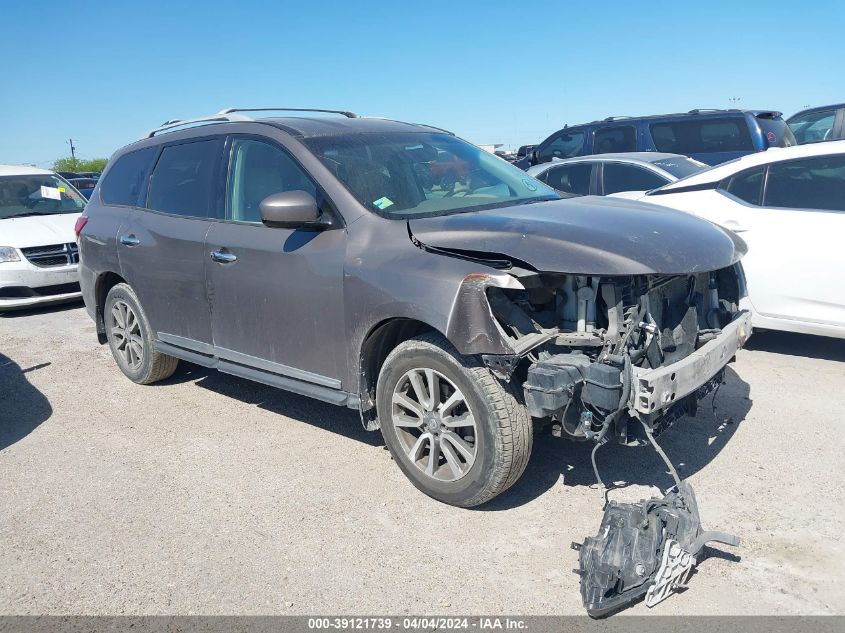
566 144
776 131
182 179
259 170
615 139
124 181
697 136
747 186
811 183
813 127
573 178
619 177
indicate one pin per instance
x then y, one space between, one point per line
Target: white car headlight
8 254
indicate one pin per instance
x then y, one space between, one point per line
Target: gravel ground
208 494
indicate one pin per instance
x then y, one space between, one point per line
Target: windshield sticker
62 189
529 185
51 193
383 203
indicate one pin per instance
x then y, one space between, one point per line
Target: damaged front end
622 358
598 355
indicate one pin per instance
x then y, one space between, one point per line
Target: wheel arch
382 339
105 282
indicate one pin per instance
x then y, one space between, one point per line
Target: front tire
131 339
457 432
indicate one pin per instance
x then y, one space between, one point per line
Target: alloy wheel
434 424
126 334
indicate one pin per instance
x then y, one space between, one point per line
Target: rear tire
481 445
131 339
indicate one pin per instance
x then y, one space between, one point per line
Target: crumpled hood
588 236
38 230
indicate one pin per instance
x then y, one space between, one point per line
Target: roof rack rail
346 113
615 118
703 110
231 114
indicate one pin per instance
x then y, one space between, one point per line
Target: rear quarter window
182 179
696 136
124 181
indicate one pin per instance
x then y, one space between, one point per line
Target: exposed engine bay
596 352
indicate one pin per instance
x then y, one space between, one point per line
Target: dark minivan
710 136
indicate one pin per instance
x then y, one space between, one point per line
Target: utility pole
72 149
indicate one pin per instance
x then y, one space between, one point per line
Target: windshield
411 175
37 194
680 166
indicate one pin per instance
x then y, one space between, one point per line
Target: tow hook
643 550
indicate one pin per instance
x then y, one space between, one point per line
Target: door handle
129 240
223 256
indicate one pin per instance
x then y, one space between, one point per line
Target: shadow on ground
691 444
806 345
22 406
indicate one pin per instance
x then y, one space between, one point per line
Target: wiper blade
534 200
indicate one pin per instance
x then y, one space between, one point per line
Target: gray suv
400 271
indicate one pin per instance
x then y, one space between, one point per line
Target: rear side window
813 127
182 179
573 178
124 181
618 177
747 186
810 183
610 140
567 144
702 135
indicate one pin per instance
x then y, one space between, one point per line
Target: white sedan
788 204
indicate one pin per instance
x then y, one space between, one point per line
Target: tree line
79 164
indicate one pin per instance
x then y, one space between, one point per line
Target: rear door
276 293
161 248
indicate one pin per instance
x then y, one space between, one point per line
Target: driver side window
567 144
257 170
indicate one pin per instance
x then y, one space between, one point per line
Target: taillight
81 221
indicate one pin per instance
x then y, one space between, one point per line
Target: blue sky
492 71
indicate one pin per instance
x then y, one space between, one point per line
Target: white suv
38 253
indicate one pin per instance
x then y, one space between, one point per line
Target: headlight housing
8 254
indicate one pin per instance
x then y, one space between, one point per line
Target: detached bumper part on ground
645 549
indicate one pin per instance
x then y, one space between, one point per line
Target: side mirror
533 157
292 210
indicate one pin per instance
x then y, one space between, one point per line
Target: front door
795 241
276 294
